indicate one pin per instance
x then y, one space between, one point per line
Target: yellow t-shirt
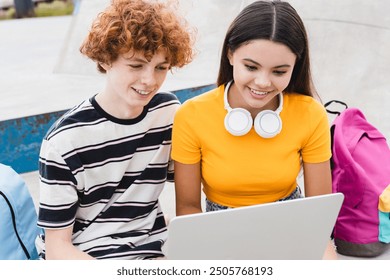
247 170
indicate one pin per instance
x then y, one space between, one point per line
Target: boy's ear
105 66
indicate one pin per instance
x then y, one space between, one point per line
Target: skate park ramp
349 41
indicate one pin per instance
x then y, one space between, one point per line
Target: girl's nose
263 80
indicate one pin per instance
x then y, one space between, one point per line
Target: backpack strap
332 127
327 104
15 227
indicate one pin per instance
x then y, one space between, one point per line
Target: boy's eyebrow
136 59
165 62
254 62
141 60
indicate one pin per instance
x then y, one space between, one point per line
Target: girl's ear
230 56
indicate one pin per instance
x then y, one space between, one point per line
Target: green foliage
8 14
55 8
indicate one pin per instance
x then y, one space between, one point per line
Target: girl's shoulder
302 102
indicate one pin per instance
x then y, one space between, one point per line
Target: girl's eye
279 73
251 68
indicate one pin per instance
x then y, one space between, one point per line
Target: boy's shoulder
77 114
163 97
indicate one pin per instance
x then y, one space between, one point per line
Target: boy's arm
58 245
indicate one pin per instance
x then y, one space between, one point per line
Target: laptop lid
294 229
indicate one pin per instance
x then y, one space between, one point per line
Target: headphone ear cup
268 124
238 122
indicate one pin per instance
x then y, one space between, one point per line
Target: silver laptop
290 230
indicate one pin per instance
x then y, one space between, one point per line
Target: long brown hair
279 22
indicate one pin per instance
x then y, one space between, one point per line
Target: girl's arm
187 188
317 178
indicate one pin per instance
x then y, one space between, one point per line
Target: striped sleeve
58 193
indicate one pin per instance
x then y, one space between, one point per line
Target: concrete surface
41 70
29 50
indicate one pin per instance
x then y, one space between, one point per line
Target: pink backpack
361 171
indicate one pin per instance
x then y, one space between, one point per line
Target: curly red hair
144 26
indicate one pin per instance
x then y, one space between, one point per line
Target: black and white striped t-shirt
104 175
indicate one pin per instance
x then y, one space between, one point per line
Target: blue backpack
18 218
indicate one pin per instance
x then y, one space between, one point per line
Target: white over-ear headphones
238 121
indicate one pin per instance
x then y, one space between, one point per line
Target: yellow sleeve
318 146
185 143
